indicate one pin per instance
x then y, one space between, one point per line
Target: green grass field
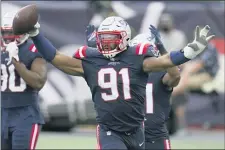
89 142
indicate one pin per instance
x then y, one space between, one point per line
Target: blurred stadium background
66 101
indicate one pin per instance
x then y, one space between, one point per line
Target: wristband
178 58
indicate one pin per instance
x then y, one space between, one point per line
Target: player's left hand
158 41
13 52
155 32
199 44
90 35
90 29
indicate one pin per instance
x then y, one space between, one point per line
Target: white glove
13 51
35 31
199 44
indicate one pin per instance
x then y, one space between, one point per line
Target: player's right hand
199 44
35 31
13 50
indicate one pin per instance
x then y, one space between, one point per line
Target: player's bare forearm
157 64
65 63
172 77
68 65
36 76
181 87
183 84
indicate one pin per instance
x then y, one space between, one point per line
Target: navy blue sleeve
32 56
165 87
28 53
157 79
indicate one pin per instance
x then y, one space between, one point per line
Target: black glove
90 36
158 41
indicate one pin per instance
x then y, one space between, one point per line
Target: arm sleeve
164 86
30 55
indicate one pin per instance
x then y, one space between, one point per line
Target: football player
117 75
23 74
158 91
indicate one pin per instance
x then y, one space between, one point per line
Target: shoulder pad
81 52
142 48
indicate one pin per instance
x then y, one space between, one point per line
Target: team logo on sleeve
154 50
32 48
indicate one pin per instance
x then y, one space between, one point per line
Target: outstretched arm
157 63
172 77
176 58
69 65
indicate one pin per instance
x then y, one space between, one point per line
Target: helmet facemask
8 37
111 43
113 36
7 31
